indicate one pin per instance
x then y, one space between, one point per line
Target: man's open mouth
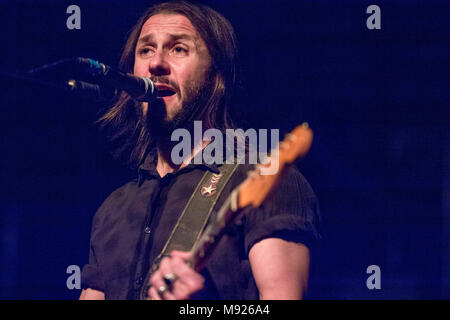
165 91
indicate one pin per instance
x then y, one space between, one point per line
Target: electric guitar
252 192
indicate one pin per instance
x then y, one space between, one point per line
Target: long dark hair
126 125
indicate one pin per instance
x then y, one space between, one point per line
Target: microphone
140 88
91 91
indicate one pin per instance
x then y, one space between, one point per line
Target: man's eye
145 52
179 51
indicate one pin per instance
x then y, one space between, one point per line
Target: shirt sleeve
292 214
91 275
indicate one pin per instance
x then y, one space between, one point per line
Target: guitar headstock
258 185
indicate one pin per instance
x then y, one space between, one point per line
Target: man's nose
158 65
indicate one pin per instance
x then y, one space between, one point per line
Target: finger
153 294
157 280
188 282
184 288
181 291
168 295
161 292
184 271
156 286
170 279
185 255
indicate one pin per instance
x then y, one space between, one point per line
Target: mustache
167 81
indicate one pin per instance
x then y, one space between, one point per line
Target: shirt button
139 281
147 230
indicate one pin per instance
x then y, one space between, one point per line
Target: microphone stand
79 88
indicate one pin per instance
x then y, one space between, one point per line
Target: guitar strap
195 215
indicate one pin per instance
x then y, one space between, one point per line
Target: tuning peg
291 137
284 145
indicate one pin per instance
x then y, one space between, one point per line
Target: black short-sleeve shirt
133 224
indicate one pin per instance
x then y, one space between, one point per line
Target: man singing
189 52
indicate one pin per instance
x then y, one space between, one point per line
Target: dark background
376 99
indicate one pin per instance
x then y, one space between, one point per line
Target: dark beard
160 126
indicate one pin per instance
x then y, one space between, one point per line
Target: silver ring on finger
170 279
162 289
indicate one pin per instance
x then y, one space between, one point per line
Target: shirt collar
147 169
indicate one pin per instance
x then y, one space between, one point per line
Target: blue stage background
377 101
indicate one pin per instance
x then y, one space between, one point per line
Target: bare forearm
91 294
